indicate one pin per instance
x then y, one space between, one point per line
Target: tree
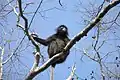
96 20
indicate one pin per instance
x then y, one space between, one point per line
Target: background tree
99 49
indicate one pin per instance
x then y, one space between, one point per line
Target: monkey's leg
51 73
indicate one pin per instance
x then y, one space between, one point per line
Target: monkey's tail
52 73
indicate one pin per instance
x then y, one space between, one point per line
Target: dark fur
56 43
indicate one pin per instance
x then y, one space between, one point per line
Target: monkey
56 44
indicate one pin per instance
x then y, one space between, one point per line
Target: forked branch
80 35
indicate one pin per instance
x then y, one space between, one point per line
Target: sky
55 15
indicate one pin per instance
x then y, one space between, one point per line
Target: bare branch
8 58
92 24
72 73
44 66
25 29
35 13
21 26
74 40
85 53
26 26
14 8
60 3
1 59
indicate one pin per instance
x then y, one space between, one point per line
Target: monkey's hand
34 35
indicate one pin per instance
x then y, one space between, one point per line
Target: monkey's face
62 30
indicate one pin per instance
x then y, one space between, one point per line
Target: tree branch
25 29
26 26
92 24
72 73
1 59
83 33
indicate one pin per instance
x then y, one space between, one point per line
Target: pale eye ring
63 28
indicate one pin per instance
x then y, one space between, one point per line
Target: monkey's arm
41 41
44 42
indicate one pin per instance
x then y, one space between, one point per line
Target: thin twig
72 73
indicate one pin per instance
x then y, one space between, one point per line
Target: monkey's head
62 30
